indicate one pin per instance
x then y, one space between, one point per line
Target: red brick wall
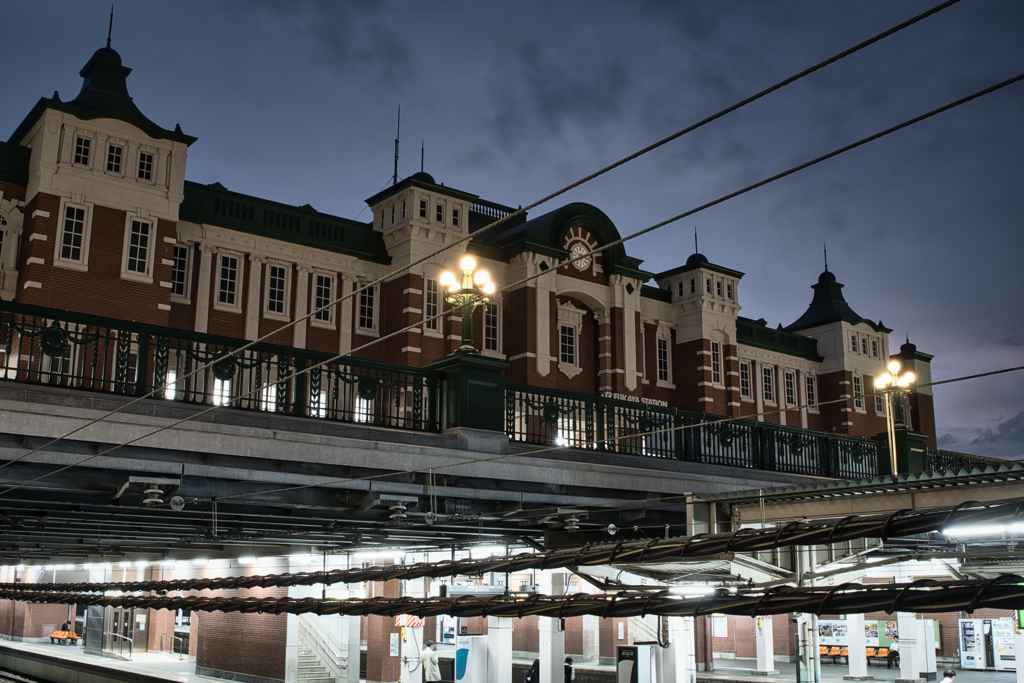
574 636
12 191
380 666
251 644
526 634
608 635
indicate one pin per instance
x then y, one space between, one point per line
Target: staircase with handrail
320 657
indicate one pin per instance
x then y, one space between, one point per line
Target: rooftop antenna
398 134
825 249
695 249
421 155
110 28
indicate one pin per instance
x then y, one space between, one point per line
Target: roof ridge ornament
110 27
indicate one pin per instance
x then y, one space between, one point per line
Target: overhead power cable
522 281
925 595
817 67
895 525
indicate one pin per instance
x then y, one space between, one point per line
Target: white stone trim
33 284
35 259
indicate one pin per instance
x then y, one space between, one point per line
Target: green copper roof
104 95
695 261
424 181
829 306
546 234
216 205
14 163
757 333
909 351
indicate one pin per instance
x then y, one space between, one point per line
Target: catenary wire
515 213
518 283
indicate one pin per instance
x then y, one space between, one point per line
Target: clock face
580 263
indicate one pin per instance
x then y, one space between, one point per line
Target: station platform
70 663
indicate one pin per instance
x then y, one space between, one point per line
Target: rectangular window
663 370
718 287
423 208
693 285
440 214
880 404
490 327
73 234
768 380
858 392
228 281
874 348
179 271
853 343
403 209
864 345
145 166
392 214
221 392
790 380
745 391
276 289
455 218
431 305
716 362
138 248
323 295
367 309
728 292
812 399
113 159
707 285
82 150
567 345
680 288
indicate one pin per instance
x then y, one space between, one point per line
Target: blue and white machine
471 659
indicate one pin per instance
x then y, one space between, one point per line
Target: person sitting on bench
894 653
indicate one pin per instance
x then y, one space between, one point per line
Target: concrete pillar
345 316
499 650
765 646
552 637
591 639
856 646
1018 649
678 659
252 306
301 304
345 631
412 645
912 659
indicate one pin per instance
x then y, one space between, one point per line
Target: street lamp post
472 291
893 386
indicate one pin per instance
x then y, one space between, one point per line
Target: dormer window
82 150
145 166
114 158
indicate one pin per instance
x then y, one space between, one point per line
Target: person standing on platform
428 658
950 676
570 673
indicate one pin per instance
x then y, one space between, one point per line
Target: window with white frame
114 153
864 345
179 271
82 148
664 369
277 290
423 208
323 295
745 388
227 282
707 285
570 327
716 362
853 343
392 214
362 410
790 385
693 285
73 245
431 304
221 392
718 287
491 327
768 383
366 316
455 218
138 250
403 209
680 288
874 348
812 394
440 214
858 392
3 236
880 404
145 166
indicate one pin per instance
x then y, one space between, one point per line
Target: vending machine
1002 644
471 659
634 664
972 644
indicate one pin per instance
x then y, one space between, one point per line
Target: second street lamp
473 290
893 386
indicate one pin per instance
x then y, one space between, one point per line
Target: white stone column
345 284
780 393
765 646
206 253
552 638
499 650
757 382
412 646
678 658
350 640
591 639
545 285
301 304
252 308
912 660
1018 649
856 647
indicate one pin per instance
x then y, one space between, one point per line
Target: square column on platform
473 394
856 647
765 646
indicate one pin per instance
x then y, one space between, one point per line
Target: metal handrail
181 645
120 651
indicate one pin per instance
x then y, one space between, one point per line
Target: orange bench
62 637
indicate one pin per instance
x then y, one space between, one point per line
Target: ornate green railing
46 346
951 460
543 416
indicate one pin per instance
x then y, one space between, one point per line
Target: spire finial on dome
695 249
824 248
908 337
110 27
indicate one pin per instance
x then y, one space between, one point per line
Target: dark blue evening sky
296 102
